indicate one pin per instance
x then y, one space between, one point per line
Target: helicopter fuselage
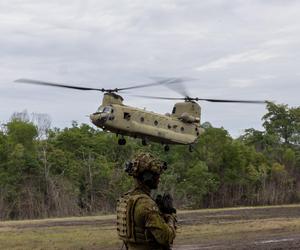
139 123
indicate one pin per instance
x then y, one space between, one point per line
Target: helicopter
181 126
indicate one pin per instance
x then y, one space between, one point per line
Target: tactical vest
127 230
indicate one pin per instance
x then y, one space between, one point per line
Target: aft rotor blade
30 81
177 86
202 99
229 101
165 81
160 97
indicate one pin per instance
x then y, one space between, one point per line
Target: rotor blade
30 81
160 82
165 81
159 97
177 86
229 101
202 99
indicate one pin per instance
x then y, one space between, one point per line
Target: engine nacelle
185 117
187 111
111 98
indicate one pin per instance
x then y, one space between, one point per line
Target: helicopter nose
98 118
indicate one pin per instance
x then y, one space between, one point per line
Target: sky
232 49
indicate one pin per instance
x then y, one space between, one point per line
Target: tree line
50 172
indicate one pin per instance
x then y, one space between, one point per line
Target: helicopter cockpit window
107 110
100 109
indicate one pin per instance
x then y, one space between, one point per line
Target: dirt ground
276 227
244 228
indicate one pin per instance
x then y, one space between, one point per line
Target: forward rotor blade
160 82
36 82
165 81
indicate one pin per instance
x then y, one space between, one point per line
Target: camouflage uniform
140 224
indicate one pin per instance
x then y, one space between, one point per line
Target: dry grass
83 237
236 230
59 233
42 221
237 208
99 232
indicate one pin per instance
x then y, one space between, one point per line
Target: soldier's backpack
127 231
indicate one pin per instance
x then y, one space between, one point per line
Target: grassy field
217 228
95 232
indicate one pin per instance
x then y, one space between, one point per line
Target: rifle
165 204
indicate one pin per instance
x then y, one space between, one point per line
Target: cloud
119 43
251 82
252 56
278 42
241 83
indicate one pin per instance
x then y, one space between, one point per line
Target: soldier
143 224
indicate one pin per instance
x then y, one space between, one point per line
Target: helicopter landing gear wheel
144 142
122 141
166 148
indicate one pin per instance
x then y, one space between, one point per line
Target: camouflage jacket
151 231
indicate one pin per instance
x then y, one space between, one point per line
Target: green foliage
283 122
199 181
289 157
21 132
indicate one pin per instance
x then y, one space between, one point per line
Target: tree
283 122
261 140
198 183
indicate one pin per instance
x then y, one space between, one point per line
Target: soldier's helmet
145 162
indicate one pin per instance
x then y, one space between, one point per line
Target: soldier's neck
145 188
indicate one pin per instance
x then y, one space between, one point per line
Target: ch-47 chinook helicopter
182 126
